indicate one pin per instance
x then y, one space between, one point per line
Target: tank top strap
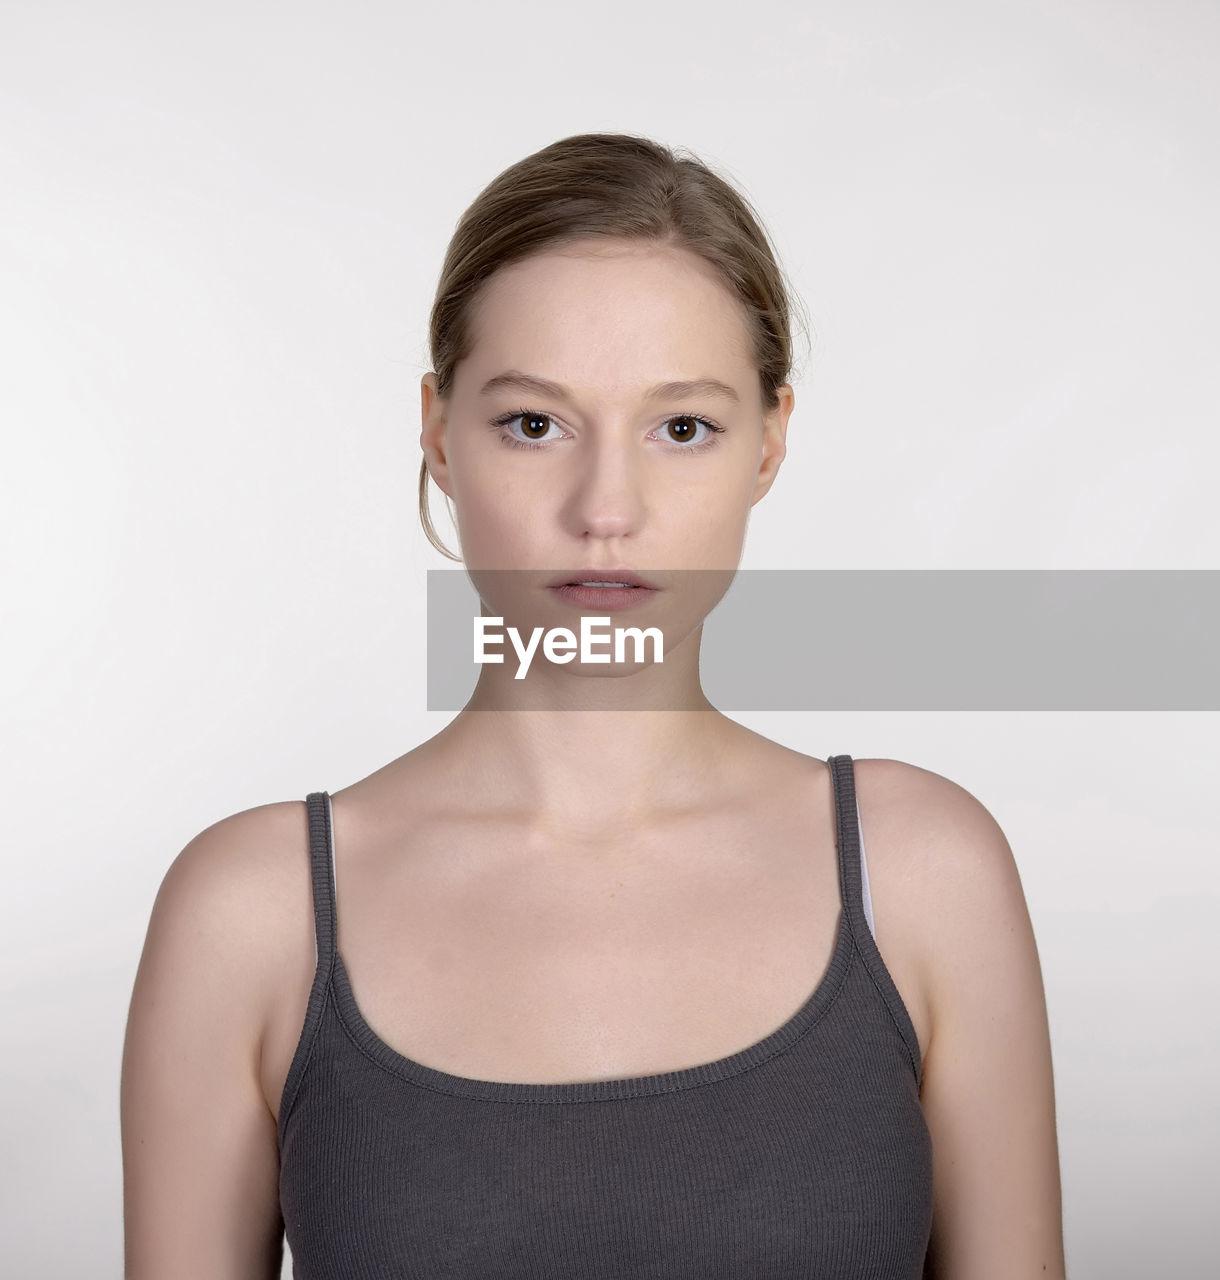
847 843
851 884
322 864
322 872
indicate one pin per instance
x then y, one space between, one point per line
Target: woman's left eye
687 429
528 429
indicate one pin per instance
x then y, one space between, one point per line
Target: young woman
598 982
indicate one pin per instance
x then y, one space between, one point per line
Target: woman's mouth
603 594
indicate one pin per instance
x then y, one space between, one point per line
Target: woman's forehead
638 311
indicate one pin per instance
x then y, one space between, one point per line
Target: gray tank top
805 1154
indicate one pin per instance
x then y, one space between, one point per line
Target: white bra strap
868 901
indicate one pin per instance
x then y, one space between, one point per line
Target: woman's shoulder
898 791
952 892
236 904
927 819
239 864
934 841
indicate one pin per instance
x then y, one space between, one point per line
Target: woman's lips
606 599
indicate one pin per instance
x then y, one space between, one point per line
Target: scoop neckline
777 1042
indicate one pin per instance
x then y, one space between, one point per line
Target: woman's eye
534 426
526 427
685 428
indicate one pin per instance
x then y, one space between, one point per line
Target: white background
220 229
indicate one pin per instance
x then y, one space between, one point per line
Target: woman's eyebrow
662 391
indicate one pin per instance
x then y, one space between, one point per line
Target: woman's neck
584 770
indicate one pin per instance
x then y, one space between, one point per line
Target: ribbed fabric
804 1155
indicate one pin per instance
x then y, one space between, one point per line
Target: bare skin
674 868
623 917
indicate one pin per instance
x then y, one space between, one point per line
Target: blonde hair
615 185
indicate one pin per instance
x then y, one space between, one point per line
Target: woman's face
563 443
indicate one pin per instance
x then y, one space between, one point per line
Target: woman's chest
560 965
621 976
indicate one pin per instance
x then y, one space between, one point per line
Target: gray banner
915 640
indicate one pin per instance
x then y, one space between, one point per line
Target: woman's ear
432 434
774 442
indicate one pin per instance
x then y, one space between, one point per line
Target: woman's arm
200 1162
987 1090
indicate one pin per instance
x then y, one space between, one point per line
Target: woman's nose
606 499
